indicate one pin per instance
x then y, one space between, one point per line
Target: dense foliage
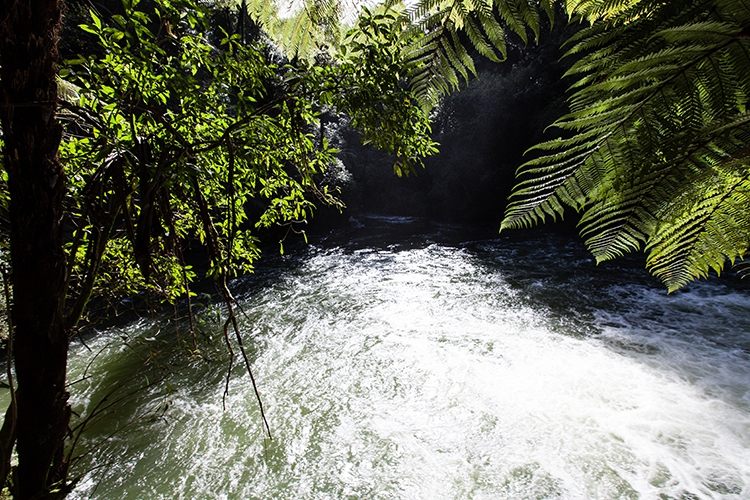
654 150
171 138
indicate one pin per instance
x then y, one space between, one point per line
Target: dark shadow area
484 130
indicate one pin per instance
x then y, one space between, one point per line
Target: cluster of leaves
448 27
171 139
148 151
435 36
381 105
313 28
655 153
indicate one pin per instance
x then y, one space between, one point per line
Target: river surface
399 359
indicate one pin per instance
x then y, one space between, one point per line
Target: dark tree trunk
28 53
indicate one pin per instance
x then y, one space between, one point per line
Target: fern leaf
659 153
509 12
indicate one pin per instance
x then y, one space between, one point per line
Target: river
399 359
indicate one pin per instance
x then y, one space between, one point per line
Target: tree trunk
28 53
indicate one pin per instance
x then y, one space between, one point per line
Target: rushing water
426 368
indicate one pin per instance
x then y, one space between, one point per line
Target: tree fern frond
593 37
494 32
532 17
712 230
484 22
709 32
509 12
447 71
423 9
423 45
542 195
548 6
481 43
658 155
562 147
737 11
455 61
296 36
463 56
612 11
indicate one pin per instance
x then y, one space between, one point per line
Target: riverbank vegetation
171 123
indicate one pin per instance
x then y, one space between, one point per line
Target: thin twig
233 319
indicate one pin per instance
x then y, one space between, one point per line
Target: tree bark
36 183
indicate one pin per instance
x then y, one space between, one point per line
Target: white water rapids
490 370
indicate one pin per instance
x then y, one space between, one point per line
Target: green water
486 370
